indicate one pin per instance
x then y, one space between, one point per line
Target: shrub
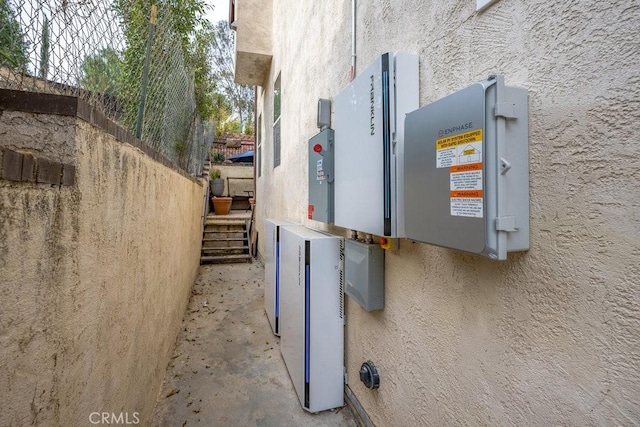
214 173
218 157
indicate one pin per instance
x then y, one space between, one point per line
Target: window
259 152
276 122
232 15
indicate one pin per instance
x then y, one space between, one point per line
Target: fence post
145 71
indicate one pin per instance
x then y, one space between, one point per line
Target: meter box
321 177
467 170
364 274
369 131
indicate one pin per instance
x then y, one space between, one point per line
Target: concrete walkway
227 369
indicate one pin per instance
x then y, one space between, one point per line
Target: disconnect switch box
467 170
321 177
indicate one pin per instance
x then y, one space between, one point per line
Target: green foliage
179 17
101 72
230 126
248 129
181 148
221 110
135 17
240 97
13 47
233 126
204 83
218 157
215 173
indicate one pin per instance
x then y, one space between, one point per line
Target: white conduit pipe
353 41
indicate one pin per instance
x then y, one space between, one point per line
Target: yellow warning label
462 138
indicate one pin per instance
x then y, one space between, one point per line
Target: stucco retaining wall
94 277
238 186
550 336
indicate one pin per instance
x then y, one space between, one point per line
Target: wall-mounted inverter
467 170
311 313
272 271
369 143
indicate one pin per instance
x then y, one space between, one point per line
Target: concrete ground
227 369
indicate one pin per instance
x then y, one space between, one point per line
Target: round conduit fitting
369 375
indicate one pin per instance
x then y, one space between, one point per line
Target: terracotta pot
221 205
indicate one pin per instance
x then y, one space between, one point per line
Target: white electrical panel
369 145
311 313
467 170
272 271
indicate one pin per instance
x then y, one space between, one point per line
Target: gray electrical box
324 113
466 170
321 177
364 274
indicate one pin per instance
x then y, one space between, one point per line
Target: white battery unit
369 145
311 313
467 170
272 271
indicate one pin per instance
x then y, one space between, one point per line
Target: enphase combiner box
312 313
272 228
467 170
364 273
369 132
321 177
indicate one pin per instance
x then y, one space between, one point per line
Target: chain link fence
96 50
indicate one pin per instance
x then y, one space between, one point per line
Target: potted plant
217 183
221 205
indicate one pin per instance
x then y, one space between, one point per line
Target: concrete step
212 234
216 221
225 248
226 244
218 230
224 239
225 259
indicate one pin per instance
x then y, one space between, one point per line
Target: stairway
225 241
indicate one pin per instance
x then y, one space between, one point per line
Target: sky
220 11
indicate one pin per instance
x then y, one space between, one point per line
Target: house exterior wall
94 276
550 336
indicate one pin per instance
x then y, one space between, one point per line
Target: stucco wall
238 186
550 336
94 278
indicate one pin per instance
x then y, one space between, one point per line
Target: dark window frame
277 120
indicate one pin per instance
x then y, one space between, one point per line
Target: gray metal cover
324 113
364 273
321 177
477 198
